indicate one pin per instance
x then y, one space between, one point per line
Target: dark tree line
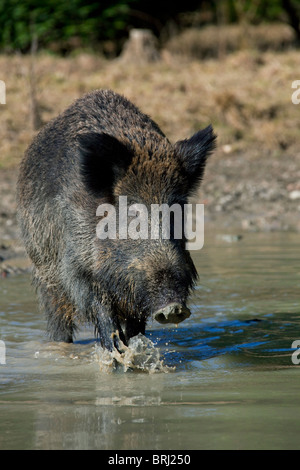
88 22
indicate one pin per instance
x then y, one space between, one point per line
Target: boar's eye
104 159
193 153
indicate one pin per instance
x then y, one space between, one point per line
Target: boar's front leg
132 327
108 328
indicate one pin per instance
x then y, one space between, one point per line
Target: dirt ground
252 181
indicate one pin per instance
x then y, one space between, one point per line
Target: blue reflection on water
245 341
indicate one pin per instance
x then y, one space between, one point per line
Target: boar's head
144 276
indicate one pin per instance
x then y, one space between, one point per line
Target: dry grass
214 41
246 96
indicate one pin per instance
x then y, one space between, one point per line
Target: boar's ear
104 160
193 154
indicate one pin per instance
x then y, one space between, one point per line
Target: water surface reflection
231 382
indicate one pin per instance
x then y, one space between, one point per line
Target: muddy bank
13 258
240 193
252 193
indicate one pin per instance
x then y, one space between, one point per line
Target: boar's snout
172 313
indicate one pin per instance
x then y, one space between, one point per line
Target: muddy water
223 379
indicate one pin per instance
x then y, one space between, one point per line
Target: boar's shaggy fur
100 148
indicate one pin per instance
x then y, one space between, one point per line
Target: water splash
140 355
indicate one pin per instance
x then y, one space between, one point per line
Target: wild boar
99 149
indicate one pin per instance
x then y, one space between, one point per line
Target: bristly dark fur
100 148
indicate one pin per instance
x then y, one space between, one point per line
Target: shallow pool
229 379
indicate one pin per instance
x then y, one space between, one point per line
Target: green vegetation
64 26
54 21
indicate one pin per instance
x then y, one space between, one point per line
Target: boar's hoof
172 313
